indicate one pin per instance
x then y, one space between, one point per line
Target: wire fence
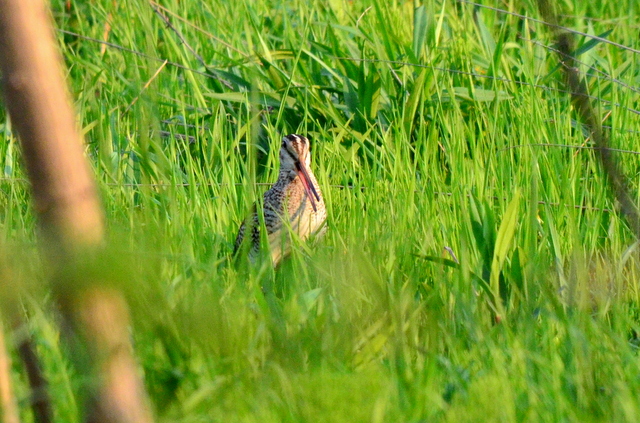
332 186
597 73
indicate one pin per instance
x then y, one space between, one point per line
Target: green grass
426 125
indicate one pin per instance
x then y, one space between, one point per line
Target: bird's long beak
309 188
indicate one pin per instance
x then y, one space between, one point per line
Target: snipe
293 204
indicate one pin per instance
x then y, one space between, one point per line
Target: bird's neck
287 176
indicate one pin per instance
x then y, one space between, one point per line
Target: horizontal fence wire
603 75
269 184
551 25
598 74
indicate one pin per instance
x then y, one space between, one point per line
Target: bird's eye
283 144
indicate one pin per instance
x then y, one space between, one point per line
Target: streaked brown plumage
295 197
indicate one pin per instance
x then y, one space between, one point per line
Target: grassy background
431 127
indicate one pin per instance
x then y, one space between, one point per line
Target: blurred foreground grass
431 129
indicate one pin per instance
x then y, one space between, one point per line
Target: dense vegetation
475 268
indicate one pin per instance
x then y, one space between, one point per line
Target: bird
293 204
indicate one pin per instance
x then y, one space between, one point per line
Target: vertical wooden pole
8 408
67 205
64 193
590 118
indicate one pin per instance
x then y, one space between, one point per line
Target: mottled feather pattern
288 199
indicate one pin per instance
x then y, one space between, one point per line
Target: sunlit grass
426 125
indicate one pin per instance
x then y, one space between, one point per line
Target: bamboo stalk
64 194
8 407
68 208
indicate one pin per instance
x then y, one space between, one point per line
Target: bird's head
294 156
294 149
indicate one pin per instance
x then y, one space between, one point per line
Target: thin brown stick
576 147
105 34
552 22
597 73
8 407
11 307
183 40
351 59
197 28
40 399
590 119
145 86
67 207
